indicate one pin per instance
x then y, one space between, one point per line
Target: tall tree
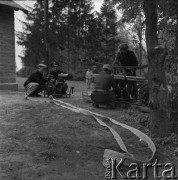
64 16
79 16
161 114
32 38
139 29
106 25
150 9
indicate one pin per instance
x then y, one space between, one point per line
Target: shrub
79 75
25 71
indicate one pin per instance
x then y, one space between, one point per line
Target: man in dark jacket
36 82
54 71
56 80
126 57
102 89
128 61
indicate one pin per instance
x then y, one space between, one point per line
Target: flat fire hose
110 154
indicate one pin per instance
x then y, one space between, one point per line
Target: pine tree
32 37
107 28
79 15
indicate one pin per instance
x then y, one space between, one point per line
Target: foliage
161 21
107 21
172 139
64 16
78 22
167 17
25 71
32 38
144 93
130 9
78 36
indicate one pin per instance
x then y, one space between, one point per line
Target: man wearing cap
58 78
95 71
103 83
89 77
126 58
36 82
54 71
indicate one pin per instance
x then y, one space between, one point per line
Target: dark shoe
31 95
34 95
37 95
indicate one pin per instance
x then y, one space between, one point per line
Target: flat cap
54 64
123 46
107 67
42 65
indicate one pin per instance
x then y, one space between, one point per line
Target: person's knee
100 97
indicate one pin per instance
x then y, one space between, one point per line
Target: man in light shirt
89 77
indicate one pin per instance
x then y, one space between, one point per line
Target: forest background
80 38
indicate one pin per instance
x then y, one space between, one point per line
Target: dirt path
45 142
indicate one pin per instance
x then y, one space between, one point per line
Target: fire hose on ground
130 158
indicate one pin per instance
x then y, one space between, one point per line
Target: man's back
103 81
36 77
127 59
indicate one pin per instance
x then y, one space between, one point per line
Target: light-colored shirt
89 75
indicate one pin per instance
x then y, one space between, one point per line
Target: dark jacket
54 73
127 59
105 81
36 77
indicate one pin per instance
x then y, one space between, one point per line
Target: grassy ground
79 85
41 141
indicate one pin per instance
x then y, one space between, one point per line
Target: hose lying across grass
130 158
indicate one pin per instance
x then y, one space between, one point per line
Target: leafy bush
79 75
144 93
172 139
25 71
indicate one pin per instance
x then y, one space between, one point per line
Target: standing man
36 82
95 73
95 70
128 60
89 77
126 57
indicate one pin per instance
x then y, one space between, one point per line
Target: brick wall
7 45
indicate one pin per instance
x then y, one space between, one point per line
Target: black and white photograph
88 89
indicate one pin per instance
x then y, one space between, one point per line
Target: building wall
7 45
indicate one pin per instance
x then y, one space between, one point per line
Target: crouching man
59 86
36 82
102 93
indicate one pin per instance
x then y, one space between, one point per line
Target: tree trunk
140 50
159 96
150 8
176 43
162 115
